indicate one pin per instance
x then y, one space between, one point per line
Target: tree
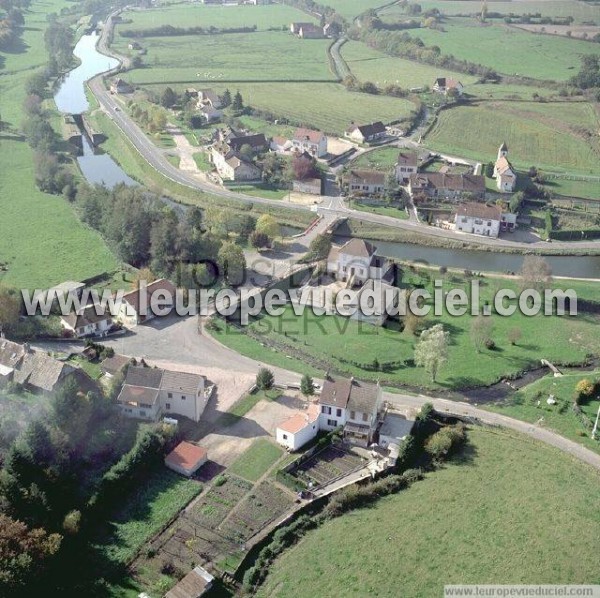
10 307
265 379
304 167
489 170
481 331
267 225
238 102
246 152
319 247
584 390
169 98
514 335
536 273
143 275
431 350
226 98
259 240
232 263
307 386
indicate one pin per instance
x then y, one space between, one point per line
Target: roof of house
280 140
210 95
138 375
10 353
479 210
299 24
336 392
138 394
363 396
162 284
254 141
451 182
358 248
182 382
310 28
302 134
41 371
369 130
236 161
447 82
300 420
193 585
209 110
407 158
90 315
396 426
365 176
186 455
503 165
113 365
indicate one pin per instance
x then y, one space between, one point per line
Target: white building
504 173
361 182
407 165
149 393
357 259
478 219
299 429
141 304
366 133
313 142
447 85
90 322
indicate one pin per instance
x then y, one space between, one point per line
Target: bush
490 344
265 379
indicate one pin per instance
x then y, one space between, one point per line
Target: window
339 413
168 406
142 414
332 423
183 397
489 223
365 417
169 395
326 410
285 437
464 219
352 414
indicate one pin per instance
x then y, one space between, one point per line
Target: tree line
171 31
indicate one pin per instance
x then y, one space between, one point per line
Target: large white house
407 165
504 173
357 260
90 322
149 393
313 142
351 404
478 219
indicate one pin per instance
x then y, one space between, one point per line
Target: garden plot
327 465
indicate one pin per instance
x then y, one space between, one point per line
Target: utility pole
596 424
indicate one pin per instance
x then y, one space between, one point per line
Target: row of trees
10 27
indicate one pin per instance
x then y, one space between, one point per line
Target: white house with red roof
299 429
447 84
313 142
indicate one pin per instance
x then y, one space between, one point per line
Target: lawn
42 241
383 210
547 135
255 462
383 158
511 511
353 8
145 512
318 342
560 417
508 50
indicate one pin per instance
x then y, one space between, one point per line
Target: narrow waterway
70 98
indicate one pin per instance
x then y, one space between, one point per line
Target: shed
186 458
193 585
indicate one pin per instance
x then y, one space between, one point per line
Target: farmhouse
365 182
447 85
295 27
11 354
137 306
149 392
366 133
39 372
299 429
357 261
332 29
186 458
445 185
280 145
120 86
232 167
90 322
313 142
258 142
478 219
352 404
505 175
407 165
210 114
310 31
196 583
210 97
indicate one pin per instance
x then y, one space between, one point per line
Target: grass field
353 8
201 15
143 514
546 135
560 417
510 511
509 50
255 462
383 210
379 159
580 11
42 241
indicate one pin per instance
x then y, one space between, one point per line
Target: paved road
157 159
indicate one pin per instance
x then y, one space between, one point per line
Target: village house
299 429
504 173
366 133
442 185
134 46
353 405
231 166
39 372
90 322
112 366
295 27
406 165
364 182
478 219
333 29
150 392
121 87
280 145
310 31
257 143
11 356
447 85
357 260
209 97
186 458
136 307
209 114
313 142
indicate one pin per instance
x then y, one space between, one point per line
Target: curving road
333 206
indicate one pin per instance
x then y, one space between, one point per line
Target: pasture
507 49
508 510
42 241
548 135
352 8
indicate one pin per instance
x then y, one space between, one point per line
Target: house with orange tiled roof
186 458
299 429
313 142
504 173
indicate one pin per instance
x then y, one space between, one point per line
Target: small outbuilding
299 429
195 584
186 458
